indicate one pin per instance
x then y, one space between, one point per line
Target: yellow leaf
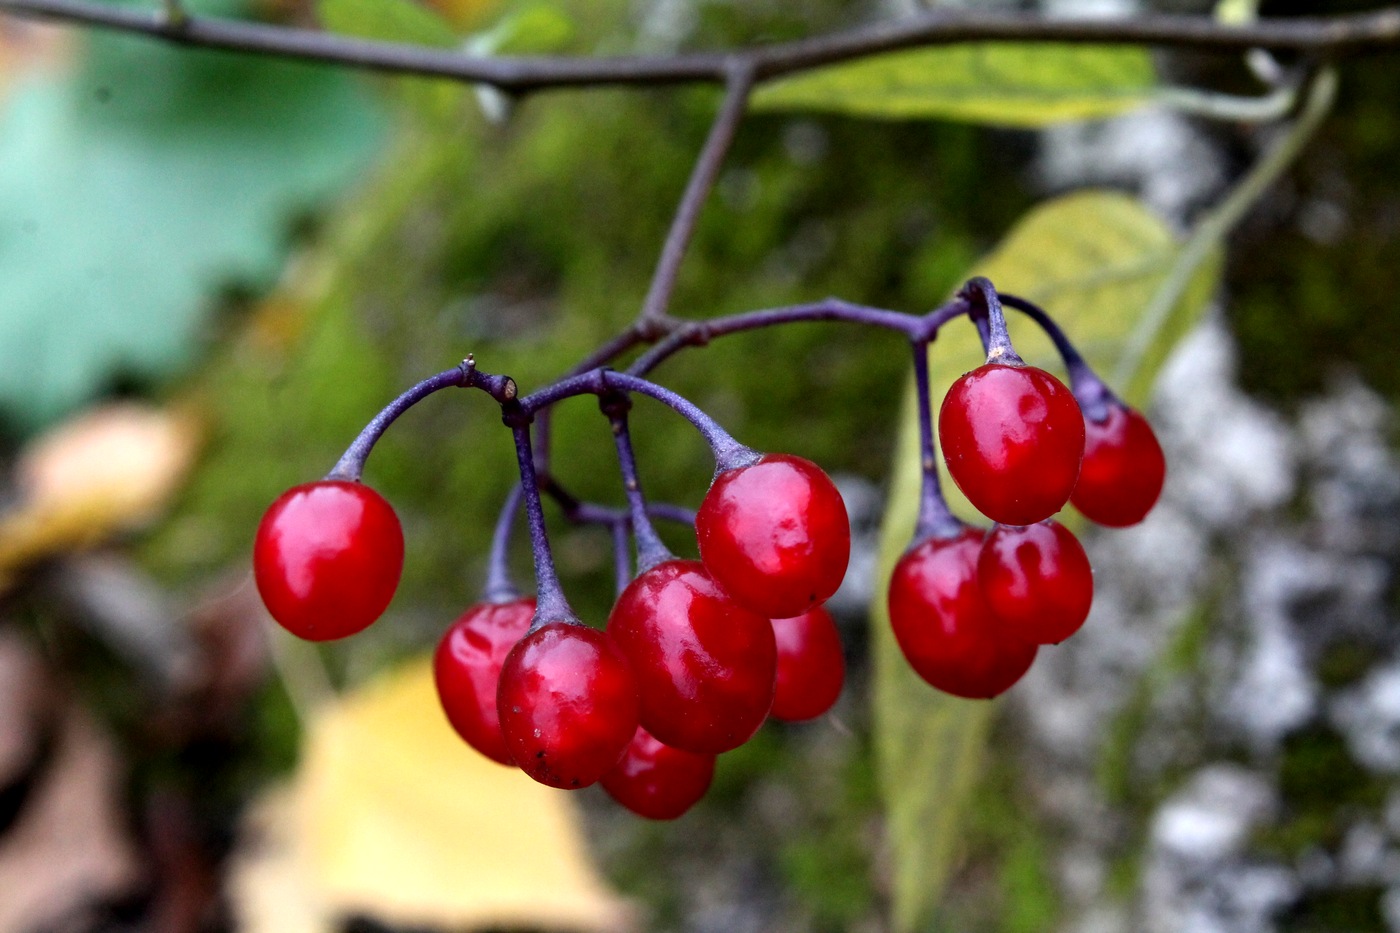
392 816
999 83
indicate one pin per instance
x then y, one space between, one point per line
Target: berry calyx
1123 470
657 781
327 558
811 665
775 535
568 704
467 670
1013 437
1037 580
704 664
944 626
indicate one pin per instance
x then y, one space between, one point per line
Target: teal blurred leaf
134 188
1003 84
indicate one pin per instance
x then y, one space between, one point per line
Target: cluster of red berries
694 657
970 608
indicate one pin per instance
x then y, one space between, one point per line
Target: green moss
1323 789
1344 663
829 872
1354 910
827 861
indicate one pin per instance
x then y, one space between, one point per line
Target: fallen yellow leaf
391 816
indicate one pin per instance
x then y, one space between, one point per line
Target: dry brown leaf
107 470
68 851
392 816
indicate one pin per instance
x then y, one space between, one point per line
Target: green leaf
1094 260
538 29
135 188
1004 84
390 20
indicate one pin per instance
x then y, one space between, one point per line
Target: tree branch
1331 37
697 189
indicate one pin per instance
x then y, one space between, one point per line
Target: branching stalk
1331 37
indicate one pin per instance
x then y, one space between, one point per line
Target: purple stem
588 513
499 586
931 323
700 333
671 513
622 554
550 604
984 330
351 464
936 520
600 357
728 452
1093 393
987 305
650 548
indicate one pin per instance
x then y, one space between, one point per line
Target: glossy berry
1013 437
705 665
568 704
1123 469
945 627
775 535
811 666
1037 580
657 781
327 558
467 669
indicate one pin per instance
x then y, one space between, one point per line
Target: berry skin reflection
467 671
775 535
944 625
568 705
704 664
1013 438
327 559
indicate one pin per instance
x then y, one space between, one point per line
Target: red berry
704 664
1012 436
568 704
945 627
775 535
327 558
811 666
1037 580
657 781
467 669
1123 469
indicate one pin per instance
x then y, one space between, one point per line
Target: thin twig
697 190
1333 36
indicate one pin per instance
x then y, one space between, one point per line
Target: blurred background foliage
271 252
